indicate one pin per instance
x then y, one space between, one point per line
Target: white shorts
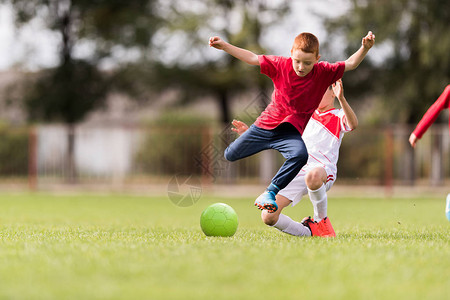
295 190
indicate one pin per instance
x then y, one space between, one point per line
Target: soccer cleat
266 201
312 225
325 228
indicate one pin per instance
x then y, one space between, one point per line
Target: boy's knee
314 179
304 159
230 155
269 218
300 156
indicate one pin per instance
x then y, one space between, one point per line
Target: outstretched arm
353 61
242 54
430 116
350 117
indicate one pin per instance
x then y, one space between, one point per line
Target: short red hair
307 42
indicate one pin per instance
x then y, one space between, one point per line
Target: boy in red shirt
300 81
430 116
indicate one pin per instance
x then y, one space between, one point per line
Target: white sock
287 225
319 201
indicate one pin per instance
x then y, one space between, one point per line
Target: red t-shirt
433 112
295 98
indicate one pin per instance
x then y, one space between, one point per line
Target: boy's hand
413 140
338 89
353 61
241 54
368 40
216 42
240 127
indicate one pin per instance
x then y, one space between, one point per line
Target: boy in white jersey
322 136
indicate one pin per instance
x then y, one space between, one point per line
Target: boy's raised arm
353 61
350 117
242 54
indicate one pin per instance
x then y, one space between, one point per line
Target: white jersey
323 136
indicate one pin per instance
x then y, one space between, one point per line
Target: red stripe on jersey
330 121
324 156
317 160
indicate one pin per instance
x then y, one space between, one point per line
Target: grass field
129 247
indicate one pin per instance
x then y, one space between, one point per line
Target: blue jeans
285 138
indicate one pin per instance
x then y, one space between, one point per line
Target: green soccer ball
219 219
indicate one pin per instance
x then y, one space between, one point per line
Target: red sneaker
325 229
313 226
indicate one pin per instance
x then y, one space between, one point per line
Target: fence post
205 158
32 159
437 170
389 161
267 166
408 167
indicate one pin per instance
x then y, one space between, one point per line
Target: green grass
128 247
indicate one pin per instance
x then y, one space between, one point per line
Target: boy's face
303 62
327 99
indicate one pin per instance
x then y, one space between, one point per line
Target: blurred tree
184 61
196 69
413 40
75 86
414 45
166 42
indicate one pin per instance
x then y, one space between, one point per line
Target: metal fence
122 155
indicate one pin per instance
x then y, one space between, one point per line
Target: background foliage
414 54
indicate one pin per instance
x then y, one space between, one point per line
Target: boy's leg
252 141
288 141
315 180
283 222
